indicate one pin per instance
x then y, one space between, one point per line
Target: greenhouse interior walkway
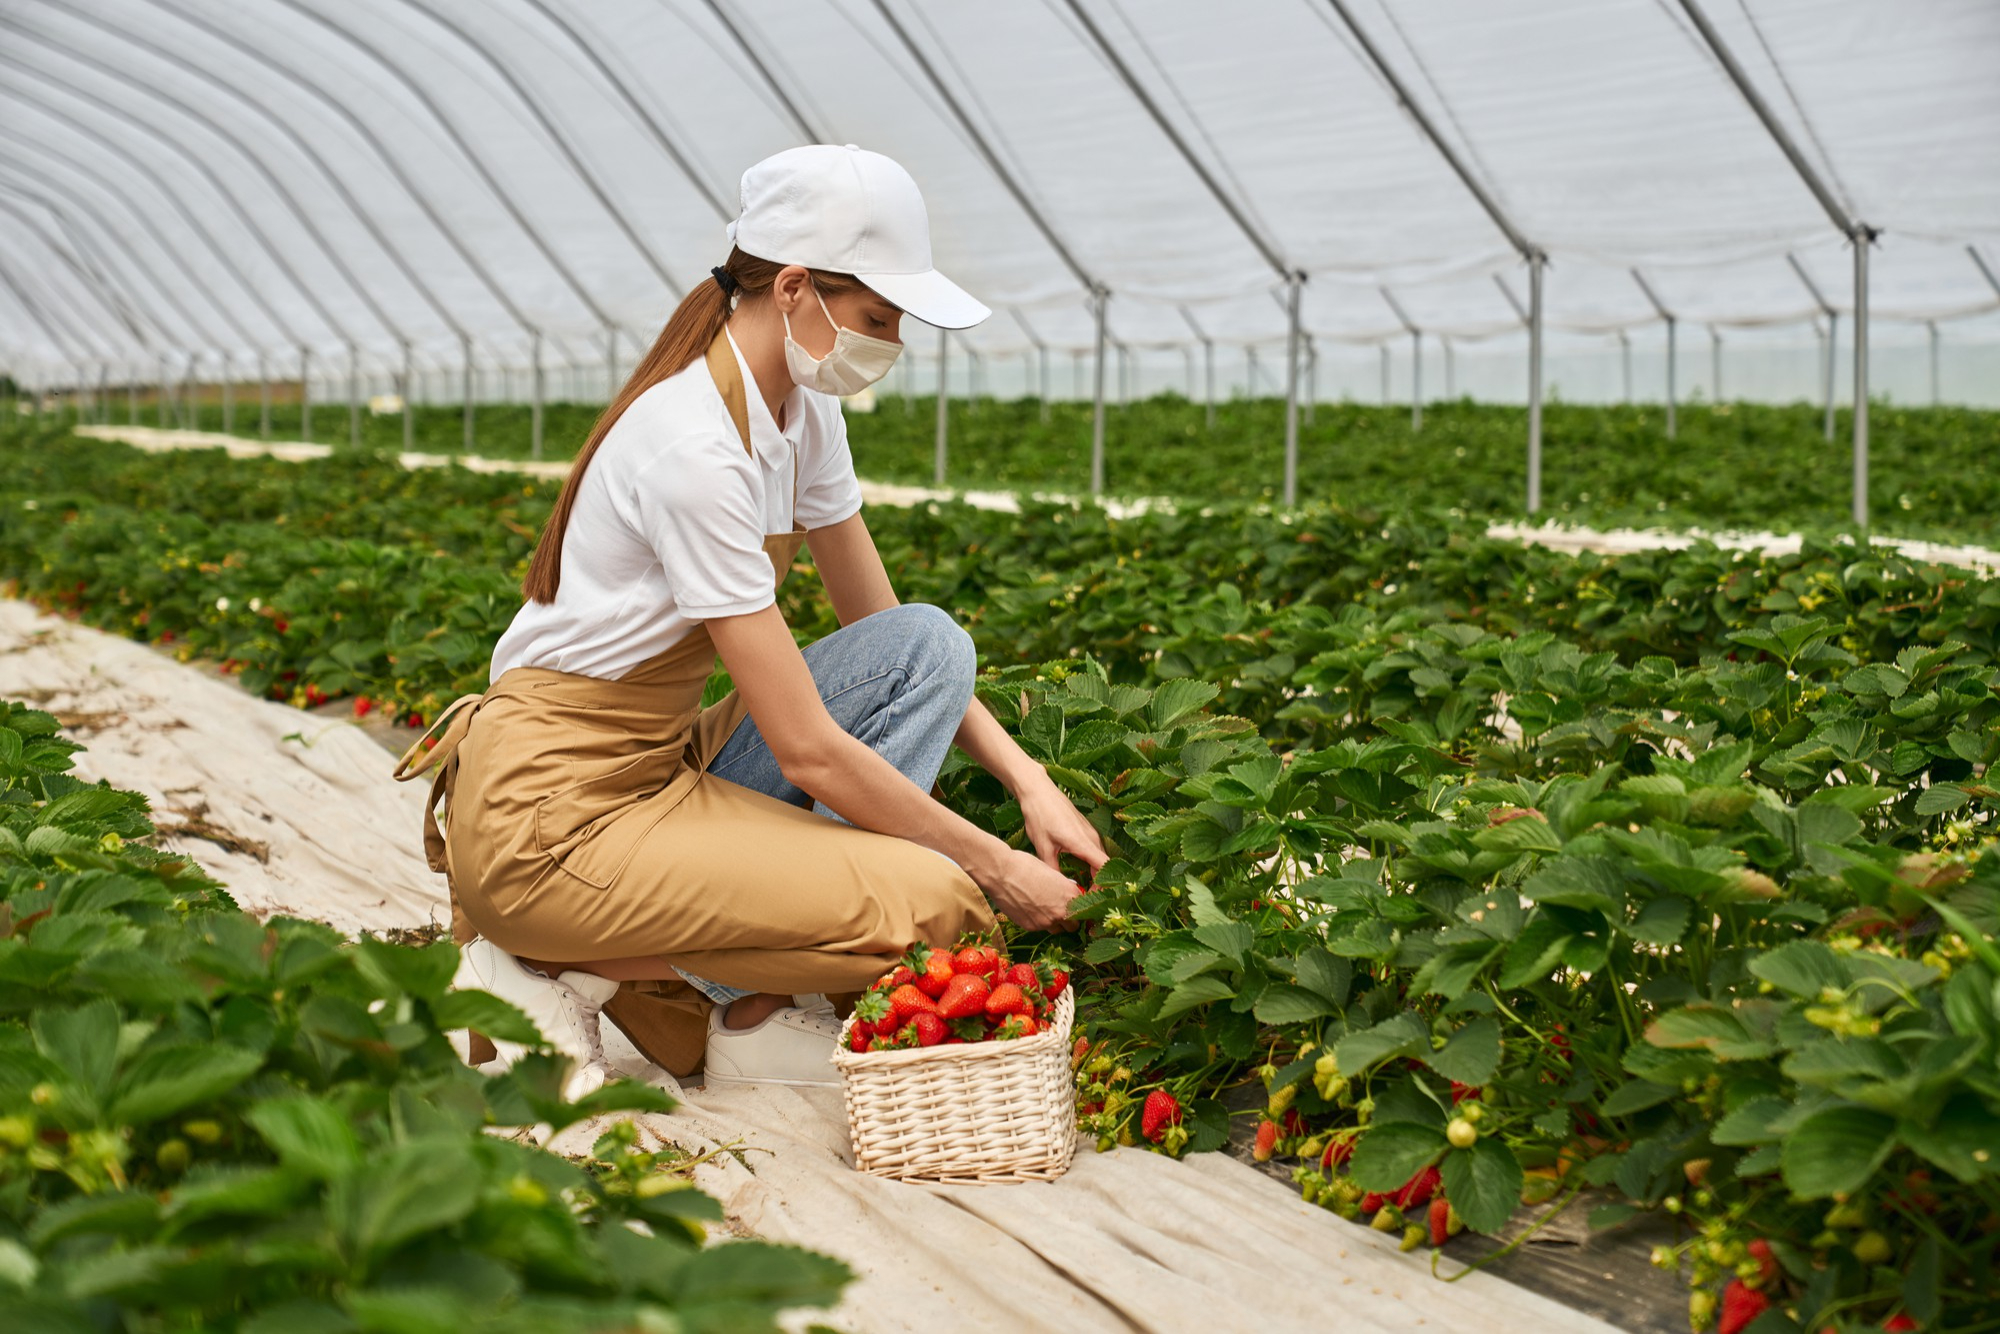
296 814
1556 536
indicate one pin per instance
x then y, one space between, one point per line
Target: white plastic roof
215 177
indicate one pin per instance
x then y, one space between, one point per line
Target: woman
605 829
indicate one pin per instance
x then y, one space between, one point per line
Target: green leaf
1526 834
1534 952
307 1134
1328 974
485 1013
1195 991
1285 1004
164 1080
1398 1035
1836 1150
1175 700
1232 940
1801 968
1710 1026
1471 1055
422 972
1391 1152
1662 921
83 1041
1750 1123
1636 1095
1577 882
1483 1183
1939 798
1920 1283
1956 1138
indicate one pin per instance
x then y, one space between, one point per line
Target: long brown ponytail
685 339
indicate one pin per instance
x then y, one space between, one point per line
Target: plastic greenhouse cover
213 177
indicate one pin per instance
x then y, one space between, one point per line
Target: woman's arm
817 756
858 585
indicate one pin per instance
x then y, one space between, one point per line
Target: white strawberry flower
222 604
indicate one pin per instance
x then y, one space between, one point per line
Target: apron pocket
592 828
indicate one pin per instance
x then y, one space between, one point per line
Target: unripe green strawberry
1413 1237
1462 1133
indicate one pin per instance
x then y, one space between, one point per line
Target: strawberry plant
210 1122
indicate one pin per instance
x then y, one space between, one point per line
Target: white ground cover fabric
1126 1241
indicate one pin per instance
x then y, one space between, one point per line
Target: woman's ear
789 288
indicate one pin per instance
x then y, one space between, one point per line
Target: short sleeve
832 493
698 511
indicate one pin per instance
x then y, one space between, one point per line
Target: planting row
1502 872
1741 465
209 1122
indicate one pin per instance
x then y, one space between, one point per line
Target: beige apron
579 824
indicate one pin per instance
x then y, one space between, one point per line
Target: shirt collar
771 446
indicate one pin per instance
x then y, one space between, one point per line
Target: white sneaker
565 1008
793 1046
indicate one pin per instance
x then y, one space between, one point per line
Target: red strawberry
1900 1323
1760 1251
1015 1026
1419 1189
931 969
1439 1220
1007 998
1740 1305
899 976
1162 1109
1461 1092
362 705
1055 982
1338 1151
1267 1141
930 1029
965 997
1078 1050
1373 1201
981 959
906 1000
281 626
860 1036
1023 976
873 1010
1295 1125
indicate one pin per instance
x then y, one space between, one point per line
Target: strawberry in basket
940 997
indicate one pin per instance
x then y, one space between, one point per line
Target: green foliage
210 1122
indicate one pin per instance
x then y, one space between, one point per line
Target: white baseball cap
843 209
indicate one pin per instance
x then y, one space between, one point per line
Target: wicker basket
967 1114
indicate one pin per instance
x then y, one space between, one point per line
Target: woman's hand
1032 895
1055 826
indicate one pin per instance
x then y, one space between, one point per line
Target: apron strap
729 382
416 759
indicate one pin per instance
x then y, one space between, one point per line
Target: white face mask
855 362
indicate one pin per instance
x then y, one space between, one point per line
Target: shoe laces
588 1022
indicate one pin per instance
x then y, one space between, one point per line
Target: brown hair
685 339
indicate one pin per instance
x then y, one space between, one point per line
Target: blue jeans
899 681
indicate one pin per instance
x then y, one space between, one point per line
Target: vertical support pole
132 397
1187 355
465 341
193 401
1042 378
975 374
1293 285
1250 370
1673 367
305 393
1124 375
1715 361
1208 373
228 397
1101 299
1385 374
1312 379
1625 360
1832 346
1450 369
1416 381
405 391
263 398
1936 396
1536 263
353 396
943 413
161 403
1862 238
535 416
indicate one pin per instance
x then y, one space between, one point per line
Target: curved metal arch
118 242
82 255
34 309
625 94
145 223
96 284
478 164
561 140
381 150
143 169
297 140
221 189
756 59
79 331
270 177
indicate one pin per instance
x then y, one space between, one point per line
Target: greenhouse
1090 664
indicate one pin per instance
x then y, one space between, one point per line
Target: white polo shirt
670 519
